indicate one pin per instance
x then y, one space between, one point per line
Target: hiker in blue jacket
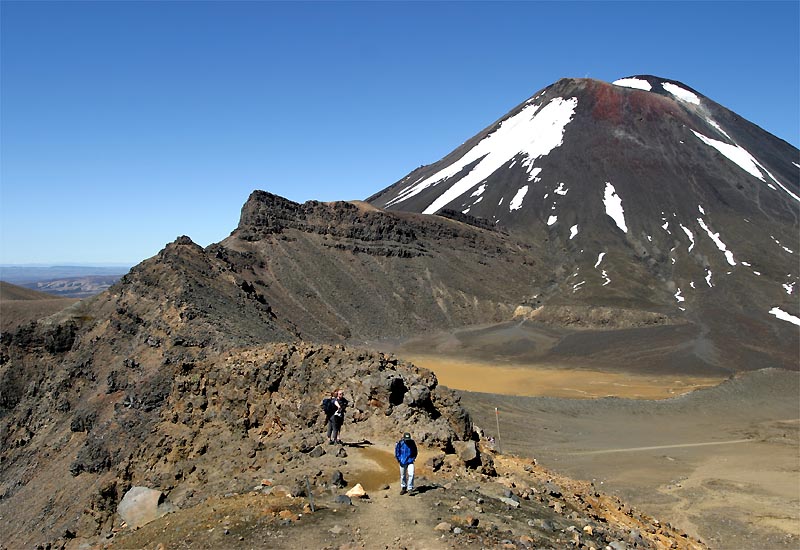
406 452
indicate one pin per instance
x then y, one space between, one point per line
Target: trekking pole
497 419
310 495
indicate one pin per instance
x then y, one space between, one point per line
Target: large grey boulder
141 505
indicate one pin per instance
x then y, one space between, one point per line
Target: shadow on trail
419 489
358 444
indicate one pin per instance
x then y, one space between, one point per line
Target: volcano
642 193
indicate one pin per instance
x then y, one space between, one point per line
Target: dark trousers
334 427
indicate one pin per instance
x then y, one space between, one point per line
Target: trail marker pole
497 419
310 495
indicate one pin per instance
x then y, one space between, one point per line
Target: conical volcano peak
641 191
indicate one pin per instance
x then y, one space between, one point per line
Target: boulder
141 505
357 492
316 452
509 501
337 479
435 462
343 499
467 452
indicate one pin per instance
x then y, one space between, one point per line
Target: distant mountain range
63 281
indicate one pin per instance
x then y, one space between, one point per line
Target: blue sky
125 125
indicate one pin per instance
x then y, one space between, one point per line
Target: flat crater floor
643 413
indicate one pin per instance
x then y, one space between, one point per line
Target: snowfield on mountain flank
680 93
635 83
533 132
783 316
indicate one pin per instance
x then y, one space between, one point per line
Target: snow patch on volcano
613 204
533 132
516 202
690 235
717 241
718 128
681 93
735 154
783 316
635 83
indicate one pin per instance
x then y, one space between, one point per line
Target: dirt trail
659 447
387 518
392 520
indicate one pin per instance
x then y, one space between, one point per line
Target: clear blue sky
125 125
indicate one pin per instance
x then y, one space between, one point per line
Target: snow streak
533 132
599 259
744 160
633 83
735 154
681 93
614 208
783 316
688 234
721 245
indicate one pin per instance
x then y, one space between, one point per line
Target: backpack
328 407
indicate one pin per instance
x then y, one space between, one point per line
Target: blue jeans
407 477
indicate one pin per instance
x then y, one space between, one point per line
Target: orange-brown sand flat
538 380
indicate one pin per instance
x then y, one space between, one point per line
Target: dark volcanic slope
342 270
643 193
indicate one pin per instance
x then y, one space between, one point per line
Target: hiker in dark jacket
406 453
337 417
328 408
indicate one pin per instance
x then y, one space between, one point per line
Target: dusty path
661 447
389 519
